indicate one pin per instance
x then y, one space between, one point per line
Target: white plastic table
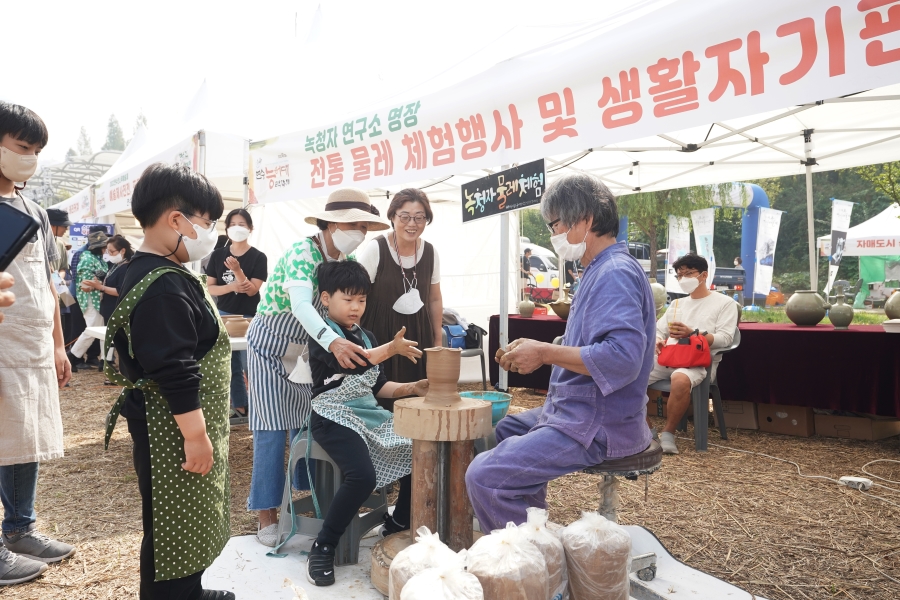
237 343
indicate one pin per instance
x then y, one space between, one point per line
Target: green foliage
115 139
534 228
71 154
83 145
884 177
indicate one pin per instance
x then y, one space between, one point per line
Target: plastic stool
327 480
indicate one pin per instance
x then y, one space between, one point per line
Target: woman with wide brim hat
91 266
290 316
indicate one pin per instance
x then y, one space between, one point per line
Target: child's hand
405 347
198 455
420 388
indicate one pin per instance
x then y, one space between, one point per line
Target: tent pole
202 162
810 216
504 293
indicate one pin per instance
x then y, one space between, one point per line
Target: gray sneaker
18 569
38 546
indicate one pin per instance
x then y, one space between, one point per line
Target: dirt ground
744 518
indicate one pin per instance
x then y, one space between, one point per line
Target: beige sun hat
348 205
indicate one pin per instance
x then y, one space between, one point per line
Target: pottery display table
856 370
543 328
443 427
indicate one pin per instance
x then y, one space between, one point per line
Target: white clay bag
449 582
509 567
598 555
535 530
428 551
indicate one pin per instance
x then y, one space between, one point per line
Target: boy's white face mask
17 167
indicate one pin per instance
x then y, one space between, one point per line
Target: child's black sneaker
217 595
391 526
320 564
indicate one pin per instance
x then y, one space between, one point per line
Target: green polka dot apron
190 511
352 405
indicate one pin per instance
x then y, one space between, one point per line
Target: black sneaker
391 526
92 361
74 360
216 595
320 565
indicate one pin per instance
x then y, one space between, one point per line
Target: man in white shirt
714 315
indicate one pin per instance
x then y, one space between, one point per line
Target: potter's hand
501 351
421 387
348 354
6 298
405 347
523 356
679 330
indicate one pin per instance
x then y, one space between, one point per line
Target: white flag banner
708 61
78 206
766 239
679 245
704 222
840 224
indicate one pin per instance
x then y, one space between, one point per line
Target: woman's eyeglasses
418 219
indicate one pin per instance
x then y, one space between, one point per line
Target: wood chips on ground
749 520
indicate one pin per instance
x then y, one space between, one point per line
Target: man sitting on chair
714 315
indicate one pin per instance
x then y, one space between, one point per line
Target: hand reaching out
420 388
233 264
404 347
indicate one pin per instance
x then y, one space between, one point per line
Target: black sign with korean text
503 192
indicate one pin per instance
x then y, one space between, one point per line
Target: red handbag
692 351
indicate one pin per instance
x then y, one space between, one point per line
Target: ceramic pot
806 308
892 306
442 370
526 308
659 294
561 309
840 314
236 325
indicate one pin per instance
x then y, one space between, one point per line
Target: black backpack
474 335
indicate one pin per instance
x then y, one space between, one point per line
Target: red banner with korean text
686 64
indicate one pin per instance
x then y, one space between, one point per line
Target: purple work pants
503 482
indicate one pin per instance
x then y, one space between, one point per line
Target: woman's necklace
407 285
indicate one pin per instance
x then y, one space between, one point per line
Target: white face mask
409 303
203 245
17 167
238 233
689 284
113 258
566 250
347 241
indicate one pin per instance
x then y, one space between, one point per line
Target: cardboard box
740 415
787 420
857 428
656 405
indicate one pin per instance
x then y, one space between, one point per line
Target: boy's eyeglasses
418 219
210 223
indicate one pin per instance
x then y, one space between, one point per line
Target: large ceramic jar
659 294
806 308
526 308
892 306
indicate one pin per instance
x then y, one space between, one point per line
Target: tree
884 177
648 211
83 145
534 228
140 121
115 140
71 154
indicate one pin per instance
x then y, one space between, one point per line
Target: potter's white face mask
409 303
347 241
567 250
238 233
689 284
17 167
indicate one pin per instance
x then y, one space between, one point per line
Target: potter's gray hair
578 197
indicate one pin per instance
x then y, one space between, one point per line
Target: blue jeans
267 479
18 488
238 368
503 482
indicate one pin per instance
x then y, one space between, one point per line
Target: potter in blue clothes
596 404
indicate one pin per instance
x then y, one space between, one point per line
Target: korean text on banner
704 222
78 206
709 61
114 195
679 245
840 224
766 239
503 192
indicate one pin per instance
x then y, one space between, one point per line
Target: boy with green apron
347 421
174 359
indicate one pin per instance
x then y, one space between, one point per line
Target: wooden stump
383 555
460 517
424 485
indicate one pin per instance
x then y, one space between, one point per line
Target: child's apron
190 511
352 405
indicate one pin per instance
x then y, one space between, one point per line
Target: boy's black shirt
324 365
172 328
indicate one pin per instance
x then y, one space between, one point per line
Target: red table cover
855 370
